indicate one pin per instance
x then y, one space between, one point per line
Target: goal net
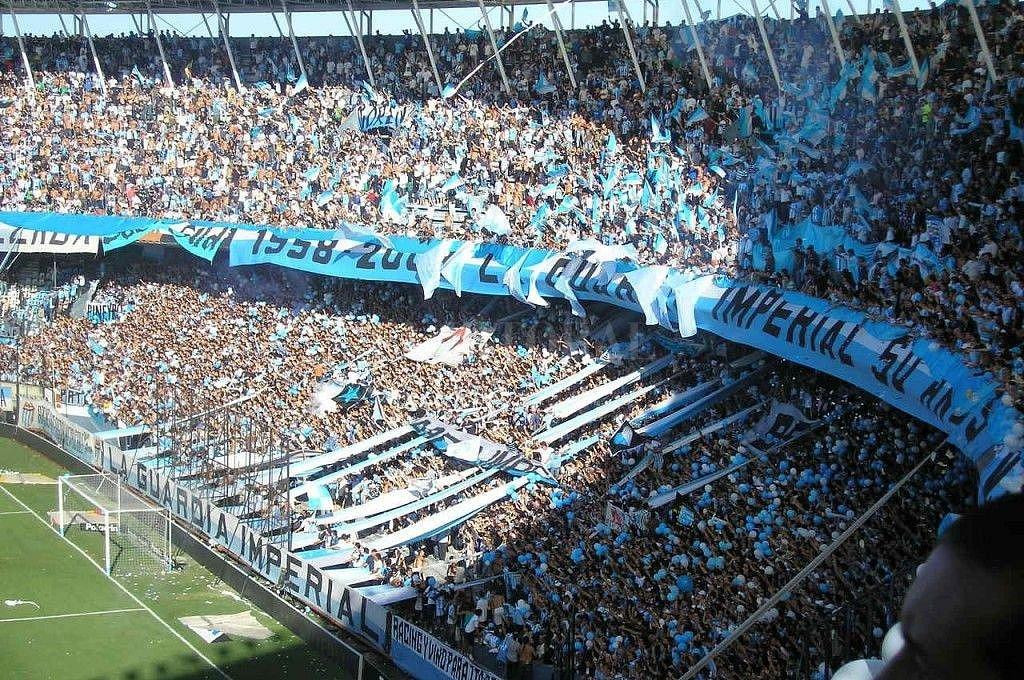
123 533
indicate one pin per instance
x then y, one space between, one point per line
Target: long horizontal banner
912 373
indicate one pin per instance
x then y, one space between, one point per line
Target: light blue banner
913 374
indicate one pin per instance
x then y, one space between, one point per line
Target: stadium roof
229 6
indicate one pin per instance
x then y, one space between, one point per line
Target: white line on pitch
121 586
69 616
15 512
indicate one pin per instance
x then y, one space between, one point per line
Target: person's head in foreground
963 617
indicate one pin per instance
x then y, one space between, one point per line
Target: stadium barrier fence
208 534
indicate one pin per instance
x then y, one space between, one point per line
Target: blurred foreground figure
963 617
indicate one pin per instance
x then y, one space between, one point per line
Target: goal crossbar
129 525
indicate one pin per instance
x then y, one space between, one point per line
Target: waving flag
922 77
324 198
300 85
542 85
392 206
494 221
697 116
612 144
540 217
451 183
657 135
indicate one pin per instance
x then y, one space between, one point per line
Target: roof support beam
222 25
973 11
494 46
619 4
295 43
561 44
160 47
95 57
767 45
696 42
63 26
208 29
418 18
24 55
906 38
356 29
835 34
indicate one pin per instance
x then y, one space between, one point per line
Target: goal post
121 531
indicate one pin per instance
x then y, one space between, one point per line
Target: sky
392 21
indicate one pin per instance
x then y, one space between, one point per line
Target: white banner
19 240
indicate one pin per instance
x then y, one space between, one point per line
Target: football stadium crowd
920 170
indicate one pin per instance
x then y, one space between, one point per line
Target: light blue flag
266 112
658 136
609 182
428 266
899 71
697 116
660 244
542 86
645 195
567 205
969 123
868 76
494 221
324 198
922 75
745 125
612 144
306 192
312 173
369 92
392 206
300 85
633 179
451 183
448 91
540 217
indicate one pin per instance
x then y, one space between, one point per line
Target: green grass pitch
86 627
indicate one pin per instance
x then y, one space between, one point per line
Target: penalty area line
15 512
71 616
120 586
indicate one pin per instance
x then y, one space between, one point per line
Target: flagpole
629 44
973 11
834 32
767 45
494 46
696 41
906 37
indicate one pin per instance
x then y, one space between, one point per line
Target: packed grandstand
571 347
